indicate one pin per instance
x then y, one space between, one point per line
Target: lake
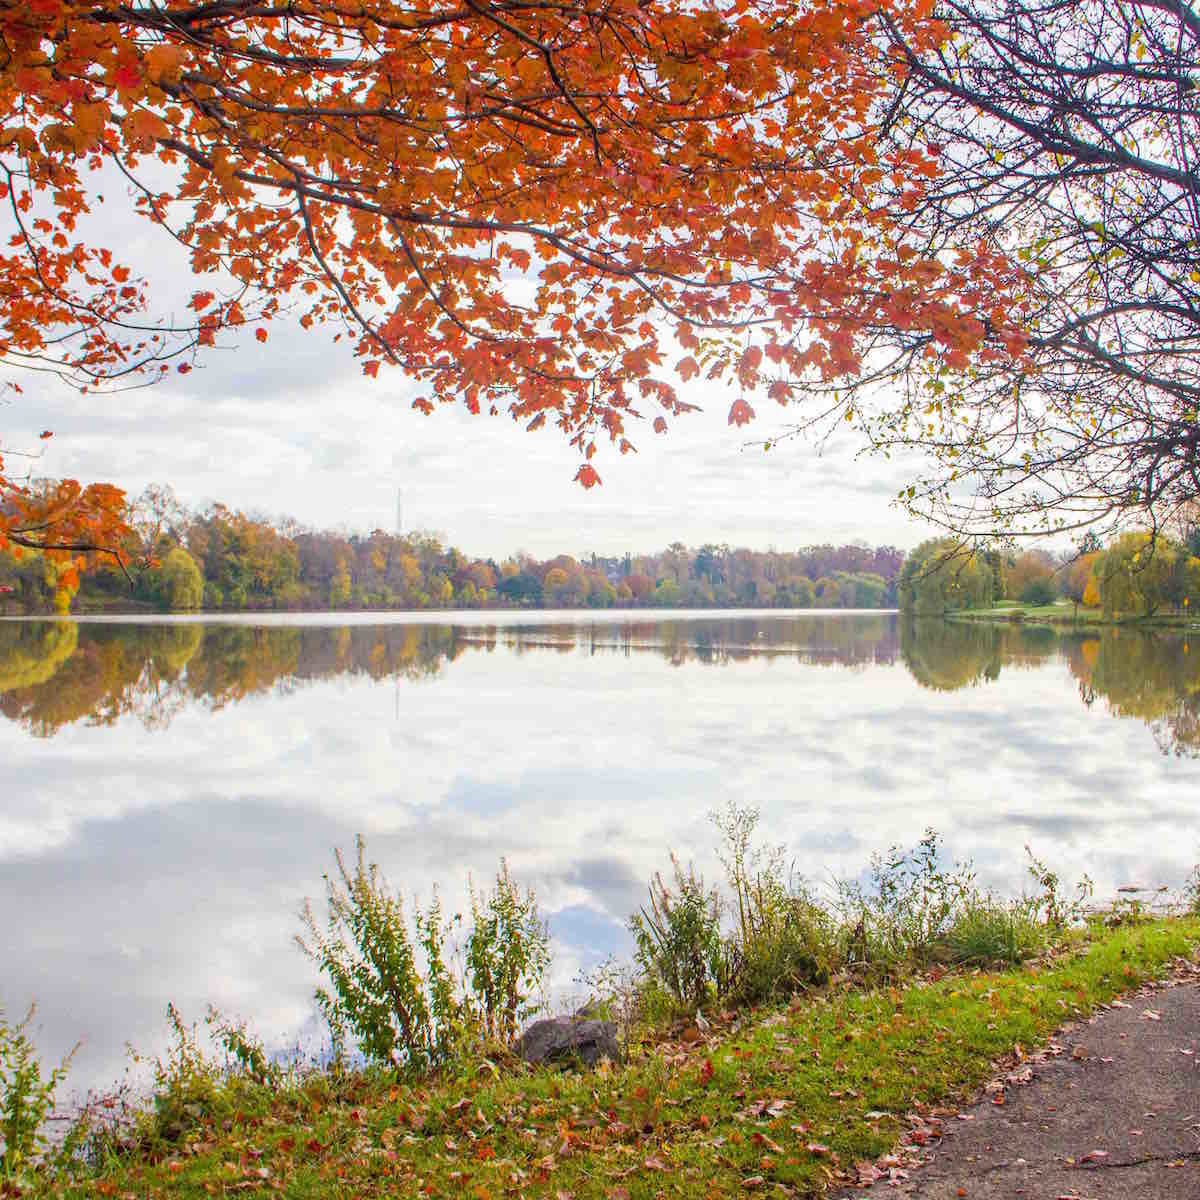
172 790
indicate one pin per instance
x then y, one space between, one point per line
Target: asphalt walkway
1111 1111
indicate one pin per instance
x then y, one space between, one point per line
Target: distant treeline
220 559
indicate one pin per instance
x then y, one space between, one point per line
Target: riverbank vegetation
771 1034
1138 577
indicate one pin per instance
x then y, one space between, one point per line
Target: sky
294 428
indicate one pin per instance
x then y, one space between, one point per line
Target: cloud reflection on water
173 791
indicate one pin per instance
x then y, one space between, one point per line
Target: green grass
789 1096
1064 613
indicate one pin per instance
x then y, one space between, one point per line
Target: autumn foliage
67 523
557 212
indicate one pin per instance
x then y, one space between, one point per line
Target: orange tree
551 209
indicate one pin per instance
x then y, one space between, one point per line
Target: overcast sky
294 428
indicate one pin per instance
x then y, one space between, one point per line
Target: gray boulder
569 1039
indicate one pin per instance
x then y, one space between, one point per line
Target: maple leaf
740 413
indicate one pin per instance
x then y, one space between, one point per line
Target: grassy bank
1067 614
773 1036
785 1099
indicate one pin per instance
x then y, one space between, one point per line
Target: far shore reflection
56 673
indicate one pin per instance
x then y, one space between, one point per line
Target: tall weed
902 915
26 1101
187 1086
390 987
244 1052
1191 893
783 939
507 954
1050 903
677 939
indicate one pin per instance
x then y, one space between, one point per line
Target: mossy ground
781 1101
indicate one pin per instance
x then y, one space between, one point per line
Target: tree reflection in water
53 674
1149 675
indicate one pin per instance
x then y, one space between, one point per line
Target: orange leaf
740 413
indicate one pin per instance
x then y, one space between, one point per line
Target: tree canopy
972 221
1070 140
555 212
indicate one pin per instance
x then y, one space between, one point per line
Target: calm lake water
171 791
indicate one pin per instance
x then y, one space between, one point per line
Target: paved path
1112 1113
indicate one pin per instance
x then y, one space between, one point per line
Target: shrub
400 1010
1038 592
507 954
906 910
1191 892
26 1101
784 939
678 939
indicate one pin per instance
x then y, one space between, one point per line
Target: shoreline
1081 621
439 616
794 1099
